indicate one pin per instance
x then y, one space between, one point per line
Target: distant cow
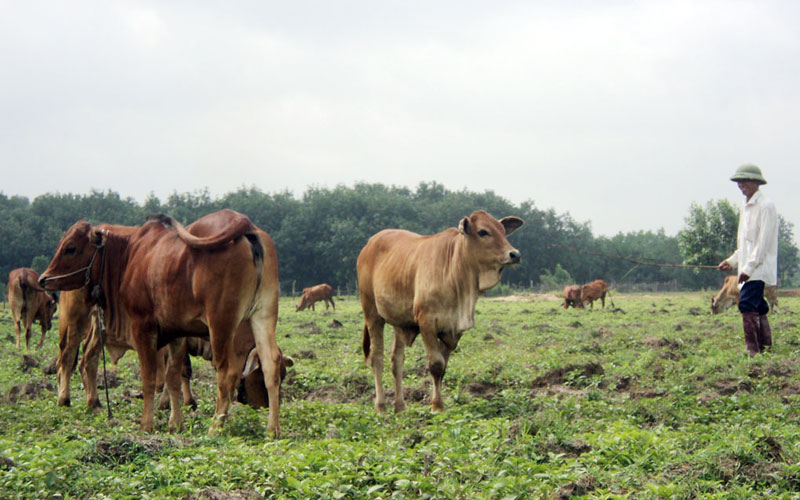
218 278
729 295
590 292
572 296
28 303
314 294
428 285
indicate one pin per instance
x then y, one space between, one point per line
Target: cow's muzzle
514 257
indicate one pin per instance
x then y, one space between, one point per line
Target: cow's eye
69 250
483 233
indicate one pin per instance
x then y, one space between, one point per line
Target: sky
620 113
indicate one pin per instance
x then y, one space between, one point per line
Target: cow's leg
67 359
162 359
145 341
603 300
177 353
437 353
186 386
263 326
374 327
333 304
402 338
41 340
221 335
92 350
18 330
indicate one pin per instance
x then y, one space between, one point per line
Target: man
756 257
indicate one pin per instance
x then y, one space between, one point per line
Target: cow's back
387 268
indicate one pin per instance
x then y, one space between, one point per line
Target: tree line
318 236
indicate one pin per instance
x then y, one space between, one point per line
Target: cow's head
48 309
75 258
302 304
487 245
253 363
719 305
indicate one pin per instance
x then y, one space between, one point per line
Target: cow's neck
114 264
465 280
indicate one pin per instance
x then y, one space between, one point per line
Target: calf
28 303
572 297
314 294
428 286
728 295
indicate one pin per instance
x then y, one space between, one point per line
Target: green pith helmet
749 172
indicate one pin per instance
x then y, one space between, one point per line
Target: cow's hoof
94 404
398 407
380 408
437 406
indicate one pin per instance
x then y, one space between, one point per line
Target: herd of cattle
211 289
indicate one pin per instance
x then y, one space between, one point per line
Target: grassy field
652 399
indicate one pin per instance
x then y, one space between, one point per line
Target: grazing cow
590 292
28 303
428 285
572 297
314 294
728 295
218 278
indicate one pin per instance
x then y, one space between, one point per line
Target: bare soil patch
569 373
30 391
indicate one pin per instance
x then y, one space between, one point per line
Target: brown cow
28 303
728 295
428 285
590 292
314 294
572 297
216 279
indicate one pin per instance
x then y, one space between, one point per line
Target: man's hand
743 277
724 266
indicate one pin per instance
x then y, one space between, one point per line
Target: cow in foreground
28 303
314 294
590 292
215 279
572 296
728 295
428 285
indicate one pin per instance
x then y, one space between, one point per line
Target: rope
634 261
102 329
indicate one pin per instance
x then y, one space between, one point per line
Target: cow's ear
252 364
99 237
465 227
511 224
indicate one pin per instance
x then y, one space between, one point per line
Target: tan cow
428 285
728 295
314 294
590 292
28 303
572 296
218 278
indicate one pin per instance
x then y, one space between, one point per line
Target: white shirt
756 254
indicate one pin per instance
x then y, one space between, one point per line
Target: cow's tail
365 343
239 225
608 294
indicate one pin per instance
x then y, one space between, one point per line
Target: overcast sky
621 113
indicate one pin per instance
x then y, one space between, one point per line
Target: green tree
710 233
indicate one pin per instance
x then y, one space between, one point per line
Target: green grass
654 400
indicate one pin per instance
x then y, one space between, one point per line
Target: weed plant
654 398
